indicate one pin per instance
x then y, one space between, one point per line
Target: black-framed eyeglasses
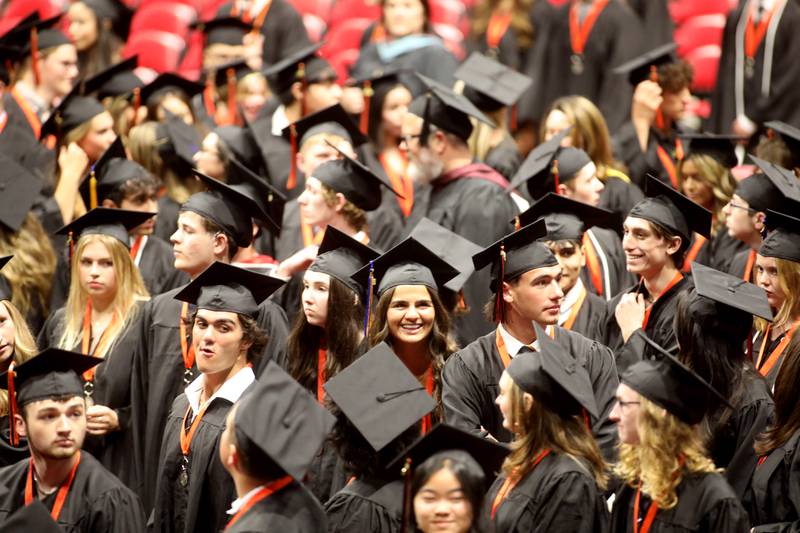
734 205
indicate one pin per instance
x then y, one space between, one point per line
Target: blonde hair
714 174
789 282
354 215
480 141
320 138
668 449
143 145
130 289
30 273
24 345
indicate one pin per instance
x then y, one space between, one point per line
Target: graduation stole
765 366
498 25
579 32
395 164
511 481
576 308
263 493
427 423
136 247
668 163
593 263
748 268
678 277
187 351
754 34
691 254
322 361
62 491
501 346
30 114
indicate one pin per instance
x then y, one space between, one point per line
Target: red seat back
345 36
158 50
315 27
344 10
705 61
320 8
699 31
169 17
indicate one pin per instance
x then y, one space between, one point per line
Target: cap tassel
462 304
368 94
517 223
70 246
137 102
292 181
208 97
370 286
92 189
13 407
233 119
498 302
679 153
35 55
300 75
406 473
586 420
555 175
513 118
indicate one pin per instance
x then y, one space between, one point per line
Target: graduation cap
223 30
31 517
117 13
380 396
489 84
110 172
783 239
670 384
304 65
229 73
567 219
670 209
242 143
720 298
166 82
340 256
781 180
73 111
790 136
116 80
359 185
369 82
177 143
105 221
224 287
538 161
641 68
451 247
33 35
270 201
554 378
278 419
333 120
445 109
18 192
720 147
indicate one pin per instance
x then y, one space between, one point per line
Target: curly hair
674 77
668 449
716 176
667 235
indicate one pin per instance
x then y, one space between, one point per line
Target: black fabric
504 158
618 194
291 510
615 276
373 505
627 149
591 318
773 500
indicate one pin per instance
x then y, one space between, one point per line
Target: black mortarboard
451 247
232 70
790 136
408 263
567 219
279 419
241 142
224 287
47 35
341 256
19 189
227 207
333 120
53 373
489 84
354 180
538 161
759 192
783 239
73 111
224 30
269 200
670 384
31 517
167 81
781 179
487 453
445 109
106 221
639 68
116 80
380 396
671 210
733 294
387 74
302 65
117 13
720 147
177 143
4 260
111 171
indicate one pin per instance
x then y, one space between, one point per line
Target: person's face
59 70
217 340
536 295
503 400
99 137
570 257
767 279
403 17
208 160
177 107
96 270
557 121
411 314
440 505
7 333
55 430
145 203
219 53
82 26
253 93
674 105
625 414
319 96
314 152
585 186
694 187
423 165
395 107
316 288
313 207
645 252
740 219
192 244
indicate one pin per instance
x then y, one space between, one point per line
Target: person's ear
527 402
674 245
582 251
340 202
297 91
221 244
109 203
508 296
758 220
19 422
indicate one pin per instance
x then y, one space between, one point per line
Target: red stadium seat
169 17
344 36
344 10
342 61
450 12
23 8
193 56
320 8
705 61
190 3
158 50
682 10
452 37
315 27
699 31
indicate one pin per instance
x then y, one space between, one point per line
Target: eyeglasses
623 405
734 205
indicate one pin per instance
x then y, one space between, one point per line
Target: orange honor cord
691 255
579 32
396 164
511 481
137 244
748 268
648 519
576 309
593 264
263 493
61 497
426 420
208 97
322 361
764 367
259 20
233 119
753 36
30 115
186 351
137 102
678 277
368 94
292 181
13 408
497 28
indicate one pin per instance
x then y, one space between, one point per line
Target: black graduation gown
276 151
656 21
369 505
167 220
619 195
290 510
591 317
471 376
720 251
202 505
611 256
773 499
615 38
559 495
659 327
758 341
738 263
10 454
705 503
158 372
626 149
504 158
781 101
96 502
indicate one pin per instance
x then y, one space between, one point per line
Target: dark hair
490 306
252 333
102 54
426 8
667 235
380 92
341 337
787 402
137 190
466 470
212 227
154 102
674 77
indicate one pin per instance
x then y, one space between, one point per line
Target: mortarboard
640 68
380 396
73 111
670 384
303 65
445 109
116 80
224 287
790 136
451 247
720 147
31 517
105 221
230 72
270 201
783 239
333 120
240 141
279 419
166 82
177 143
567 219
378 79
782 179
720 296
489 84
110 172
672 210
33 35
538 161
223 30
19 189
117 13
341 256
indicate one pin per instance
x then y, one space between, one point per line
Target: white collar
231 390
570 299
238 503
513 346
279 120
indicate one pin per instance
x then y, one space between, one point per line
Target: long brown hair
787 402
520 20
24 346
715 175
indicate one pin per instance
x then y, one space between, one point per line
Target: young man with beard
465 197
525 277
49 409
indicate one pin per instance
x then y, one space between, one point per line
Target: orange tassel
71 245
35 55
232 118
462 304
679 153
292 181
498 302
137 102
13 407
555 174
208 97
586 420
92 190
517 223
368 94
370 288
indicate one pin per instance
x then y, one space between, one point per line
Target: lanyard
501 346
186 438
678 277
30 114
648 519
426 420
395 165
579 32
748 269
576 308
258 22
186 351
308 234
62 491
136 247
765 366
86 341
322 361
508 484
593 264
668 163
498 25
262 494
691 254
754 33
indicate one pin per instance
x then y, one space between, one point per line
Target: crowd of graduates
525 291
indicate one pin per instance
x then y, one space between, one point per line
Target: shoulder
475 352
100 483
577 343
708 489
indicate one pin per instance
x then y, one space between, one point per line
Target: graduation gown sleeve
290 510
272 319
505 158
592 315
283 31
366 506
619 195
773 499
